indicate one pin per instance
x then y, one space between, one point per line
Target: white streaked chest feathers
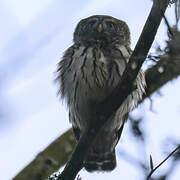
97 72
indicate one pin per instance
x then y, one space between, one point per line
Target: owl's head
102 29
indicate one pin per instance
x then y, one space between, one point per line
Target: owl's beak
100 28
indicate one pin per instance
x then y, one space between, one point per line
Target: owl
87 74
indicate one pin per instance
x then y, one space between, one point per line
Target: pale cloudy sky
34 35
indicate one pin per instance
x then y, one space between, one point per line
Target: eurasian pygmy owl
88 72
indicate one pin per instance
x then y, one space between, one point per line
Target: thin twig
177 13
153 170
169 27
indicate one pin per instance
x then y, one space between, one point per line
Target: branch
154 169
136 60
49 160
112 103
166 69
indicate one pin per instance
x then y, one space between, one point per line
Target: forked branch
162 162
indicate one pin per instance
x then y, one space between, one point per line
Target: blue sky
33 38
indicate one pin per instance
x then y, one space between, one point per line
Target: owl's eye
91 23
111 25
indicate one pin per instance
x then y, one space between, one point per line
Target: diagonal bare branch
162 162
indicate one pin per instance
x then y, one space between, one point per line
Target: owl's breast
96 75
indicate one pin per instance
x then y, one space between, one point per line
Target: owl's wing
62 71
67 73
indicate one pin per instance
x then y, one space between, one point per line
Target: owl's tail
101 156
99 161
